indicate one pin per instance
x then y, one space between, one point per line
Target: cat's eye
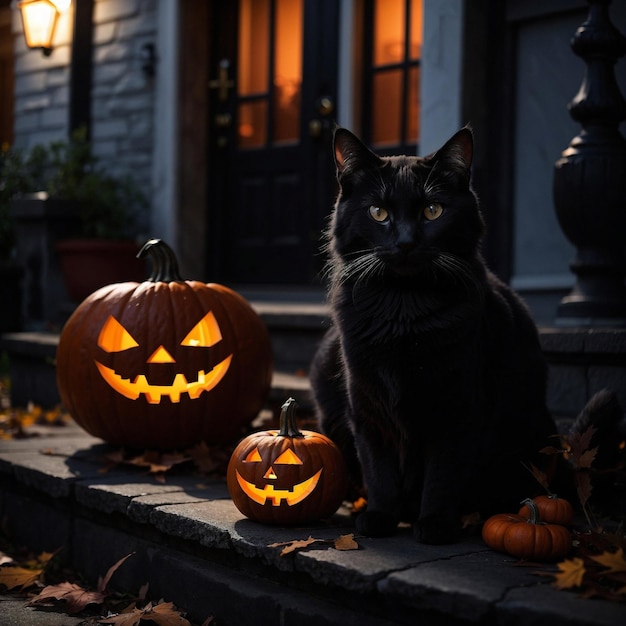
433 211
378 214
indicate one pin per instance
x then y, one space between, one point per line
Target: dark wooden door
272 103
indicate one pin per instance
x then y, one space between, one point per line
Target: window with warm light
392 45
270 72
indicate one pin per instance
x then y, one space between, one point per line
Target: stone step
295 329
194 548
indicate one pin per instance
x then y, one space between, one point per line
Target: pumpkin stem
164 262
533 510
287 422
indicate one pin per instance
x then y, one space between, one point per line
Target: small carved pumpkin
286 476
528 539
552 509
165 363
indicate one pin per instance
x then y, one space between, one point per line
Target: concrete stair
195 549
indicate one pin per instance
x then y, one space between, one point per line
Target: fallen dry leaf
579 443
615 561
343 542
76 597
162 614
296 544
103 583
571 574
587 458
346 542
15 577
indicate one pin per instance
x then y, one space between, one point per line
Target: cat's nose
405 238
405 245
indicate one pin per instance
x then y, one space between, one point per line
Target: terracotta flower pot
88 264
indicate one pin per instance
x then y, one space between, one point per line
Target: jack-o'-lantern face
291 494
114 337
286 476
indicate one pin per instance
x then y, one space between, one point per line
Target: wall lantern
39 18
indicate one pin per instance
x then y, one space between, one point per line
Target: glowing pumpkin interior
114 337
269 493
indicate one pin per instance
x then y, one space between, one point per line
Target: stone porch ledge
195 549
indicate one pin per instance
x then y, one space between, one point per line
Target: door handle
223 120
222 83
325 105
315 128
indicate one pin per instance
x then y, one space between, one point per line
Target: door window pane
287 70
252 127
388 31
392 77
386 109
253 70
416 29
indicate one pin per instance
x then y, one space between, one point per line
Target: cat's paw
436 532
376 524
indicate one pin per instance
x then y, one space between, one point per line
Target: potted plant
101 249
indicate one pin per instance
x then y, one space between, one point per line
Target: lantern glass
39 18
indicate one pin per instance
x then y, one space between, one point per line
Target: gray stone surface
13 612
193 547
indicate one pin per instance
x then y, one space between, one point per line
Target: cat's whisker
459 270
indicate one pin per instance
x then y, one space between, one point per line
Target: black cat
431 378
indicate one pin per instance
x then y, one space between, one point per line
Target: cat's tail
601 427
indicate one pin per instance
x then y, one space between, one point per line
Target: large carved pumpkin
165 363
287 476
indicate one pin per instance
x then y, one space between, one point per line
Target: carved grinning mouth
292 496
180 385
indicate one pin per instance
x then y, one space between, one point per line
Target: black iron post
590 180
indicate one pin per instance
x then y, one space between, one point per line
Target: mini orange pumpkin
165 363
527 539
552 509
286 476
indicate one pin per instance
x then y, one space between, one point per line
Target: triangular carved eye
253 457
204 334
288 457
114 337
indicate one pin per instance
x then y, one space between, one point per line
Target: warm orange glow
398 34
287 70
388 31
154 393
39 18
114 337
297 494
256 78
253 70
288 457
205 333
161 355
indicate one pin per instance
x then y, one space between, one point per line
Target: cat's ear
350 153
458 151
